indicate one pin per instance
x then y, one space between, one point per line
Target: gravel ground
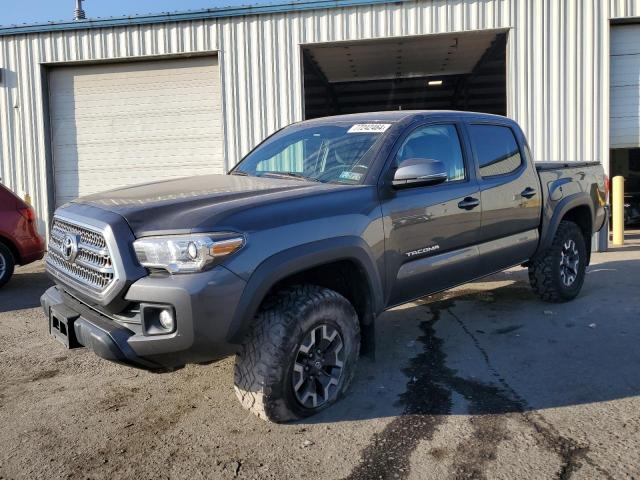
484 381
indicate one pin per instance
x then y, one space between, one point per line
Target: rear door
510 196
431 230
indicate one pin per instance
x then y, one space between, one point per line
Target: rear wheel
557 274
300 355
7 264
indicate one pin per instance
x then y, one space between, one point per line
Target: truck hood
195 204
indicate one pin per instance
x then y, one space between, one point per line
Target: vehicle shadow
493 347
24 289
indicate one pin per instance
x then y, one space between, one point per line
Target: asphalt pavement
483 382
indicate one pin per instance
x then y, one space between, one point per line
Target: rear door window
496 149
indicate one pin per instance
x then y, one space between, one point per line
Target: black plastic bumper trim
100 334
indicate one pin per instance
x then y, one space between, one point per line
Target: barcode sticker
369 128
351 176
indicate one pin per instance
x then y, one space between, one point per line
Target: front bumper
204 305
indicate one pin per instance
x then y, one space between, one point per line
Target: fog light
166 320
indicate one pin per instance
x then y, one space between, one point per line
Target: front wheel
300 355
558 273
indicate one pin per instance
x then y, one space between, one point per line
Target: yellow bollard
617 205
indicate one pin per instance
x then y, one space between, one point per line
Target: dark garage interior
626 163
464 71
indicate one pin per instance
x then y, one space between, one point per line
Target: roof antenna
78 13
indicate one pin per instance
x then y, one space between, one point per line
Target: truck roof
398 115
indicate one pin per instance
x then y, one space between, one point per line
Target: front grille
92 266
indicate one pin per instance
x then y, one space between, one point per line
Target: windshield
335 153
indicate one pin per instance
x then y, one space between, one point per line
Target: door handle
469 203
528 192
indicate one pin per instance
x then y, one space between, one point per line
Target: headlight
186 253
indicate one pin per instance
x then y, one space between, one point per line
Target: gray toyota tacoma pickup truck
287 260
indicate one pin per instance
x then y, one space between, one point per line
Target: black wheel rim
3 265
569 263
318 366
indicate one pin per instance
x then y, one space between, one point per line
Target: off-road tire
264 366
9 263
545 269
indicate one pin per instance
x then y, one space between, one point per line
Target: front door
431 230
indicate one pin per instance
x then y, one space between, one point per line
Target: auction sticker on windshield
351 176
369 128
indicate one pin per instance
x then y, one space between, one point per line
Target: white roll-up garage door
121 124
625 86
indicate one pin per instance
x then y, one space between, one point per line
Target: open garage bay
463 71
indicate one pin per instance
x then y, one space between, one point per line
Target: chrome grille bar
92 266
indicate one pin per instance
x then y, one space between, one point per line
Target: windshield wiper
295 175
240 173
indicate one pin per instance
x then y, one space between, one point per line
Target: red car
20 243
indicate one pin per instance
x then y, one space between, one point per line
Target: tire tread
541 270
259 363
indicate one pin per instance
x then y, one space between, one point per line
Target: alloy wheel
319 366
569 261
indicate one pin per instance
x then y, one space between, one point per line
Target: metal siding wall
624 8
23 165
558 70
558 66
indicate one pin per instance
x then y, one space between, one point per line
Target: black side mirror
417 172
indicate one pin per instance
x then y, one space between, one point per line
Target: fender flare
550 228
295 260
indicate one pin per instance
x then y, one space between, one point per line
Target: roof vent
78 13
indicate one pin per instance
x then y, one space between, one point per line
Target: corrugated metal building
94 104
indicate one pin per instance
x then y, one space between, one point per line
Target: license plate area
61 320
